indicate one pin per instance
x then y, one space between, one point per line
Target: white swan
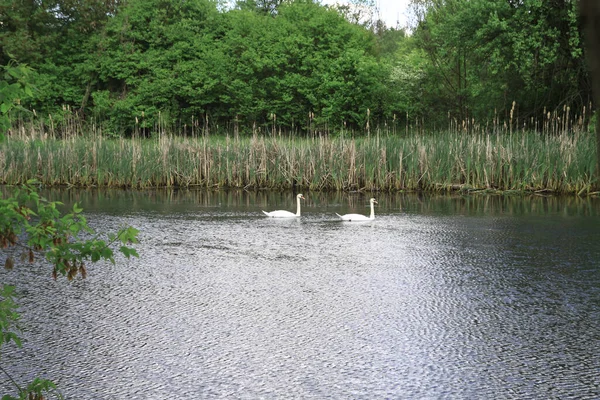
286 214
360 217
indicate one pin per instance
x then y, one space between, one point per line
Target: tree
486 54
269 7
325 66
447 34
359 12
32 228
57 37
13 87
408 80
187 60
590 11
159 56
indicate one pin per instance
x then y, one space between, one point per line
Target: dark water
475 297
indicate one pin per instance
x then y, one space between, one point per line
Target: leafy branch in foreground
8 325
32 226
55 236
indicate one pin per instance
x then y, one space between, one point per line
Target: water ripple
406 306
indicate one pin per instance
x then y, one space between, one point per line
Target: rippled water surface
474 297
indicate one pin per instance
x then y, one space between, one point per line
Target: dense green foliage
590 13
485 54
295 65
13 87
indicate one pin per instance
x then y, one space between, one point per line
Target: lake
441 296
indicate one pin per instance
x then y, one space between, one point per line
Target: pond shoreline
447 191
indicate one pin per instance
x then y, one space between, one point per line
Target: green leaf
77 209
128 251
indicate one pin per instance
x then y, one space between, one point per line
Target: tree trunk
590 13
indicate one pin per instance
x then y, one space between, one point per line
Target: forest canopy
294 63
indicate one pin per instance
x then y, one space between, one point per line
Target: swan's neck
297 207
372 211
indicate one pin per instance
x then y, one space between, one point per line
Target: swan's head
373 201
300 196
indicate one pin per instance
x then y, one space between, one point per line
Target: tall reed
561 162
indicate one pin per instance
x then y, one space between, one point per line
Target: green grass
443 161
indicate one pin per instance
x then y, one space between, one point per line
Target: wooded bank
295 63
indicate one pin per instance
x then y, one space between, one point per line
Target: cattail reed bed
443 161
